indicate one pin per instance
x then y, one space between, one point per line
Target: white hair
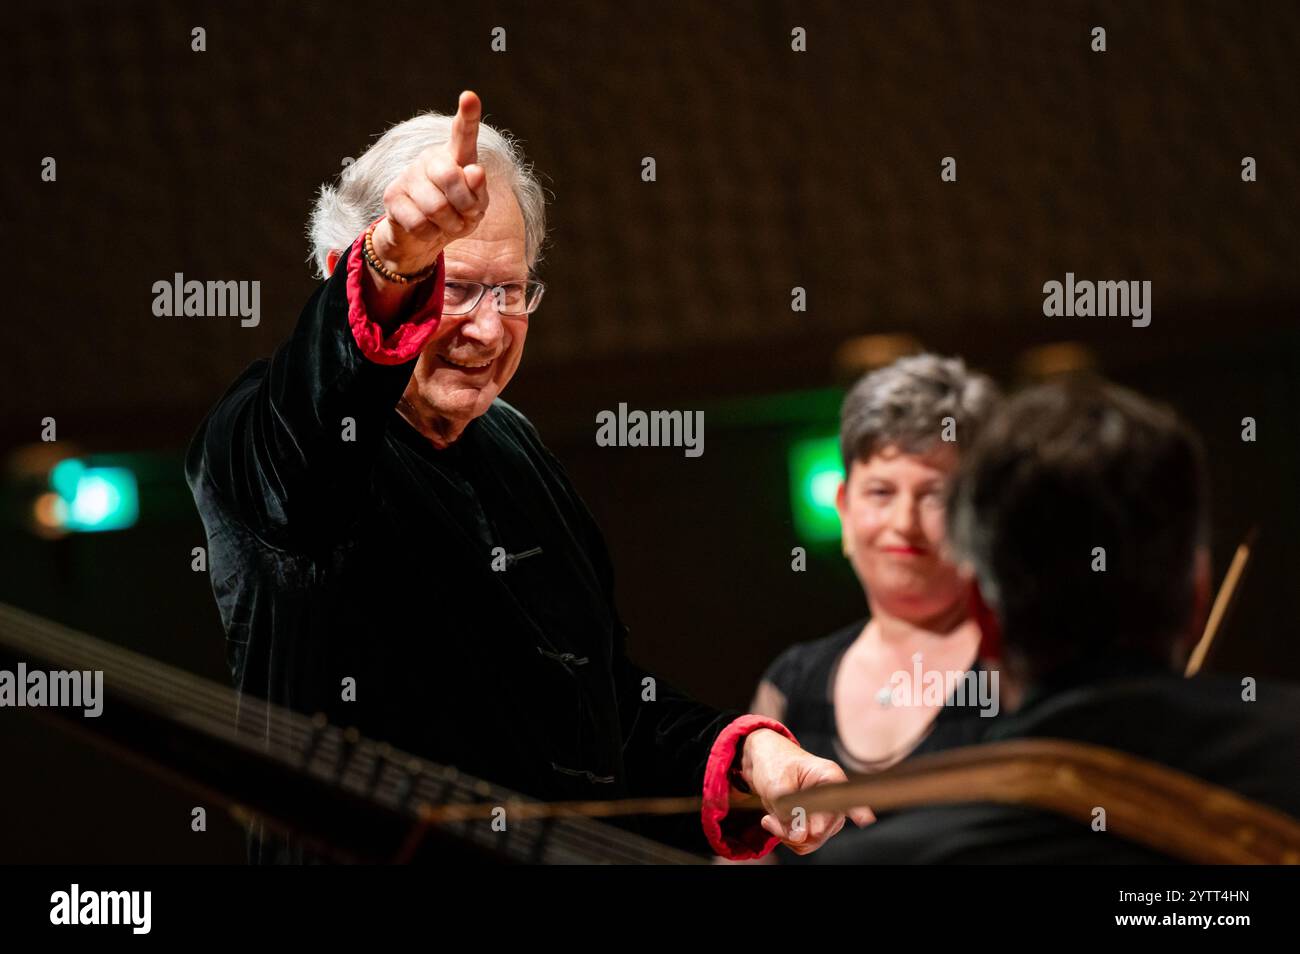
343 210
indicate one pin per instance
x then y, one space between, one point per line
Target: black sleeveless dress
805 675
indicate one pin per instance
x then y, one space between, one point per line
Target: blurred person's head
1067 475
902 431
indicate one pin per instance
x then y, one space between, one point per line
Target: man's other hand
774 766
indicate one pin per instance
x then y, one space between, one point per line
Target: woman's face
892 515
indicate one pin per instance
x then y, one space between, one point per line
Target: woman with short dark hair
883 688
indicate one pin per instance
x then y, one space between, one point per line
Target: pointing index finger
464 129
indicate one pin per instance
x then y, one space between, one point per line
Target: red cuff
404 342
752 841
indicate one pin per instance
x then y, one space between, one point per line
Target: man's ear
331 260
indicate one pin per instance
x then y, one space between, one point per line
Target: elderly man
392 545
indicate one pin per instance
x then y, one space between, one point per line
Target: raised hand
442 196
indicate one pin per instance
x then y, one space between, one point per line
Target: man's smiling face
471 358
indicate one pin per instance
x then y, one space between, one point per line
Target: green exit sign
815 476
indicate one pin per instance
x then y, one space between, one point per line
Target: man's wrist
736 774
392 258
743 764
389 303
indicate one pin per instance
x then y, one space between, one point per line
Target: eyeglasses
512 298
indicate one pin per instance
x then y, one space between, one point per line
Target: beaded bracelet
368 253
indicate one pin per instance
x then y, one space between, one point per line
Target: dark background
775 169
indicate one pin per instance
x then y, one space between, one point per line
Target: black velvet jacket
372 559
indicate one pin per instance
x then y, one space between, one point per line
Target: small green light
815 476
97 498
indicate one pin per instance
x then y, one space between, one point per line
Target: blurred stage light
867 352
815 476
93 498
1050 360
50 514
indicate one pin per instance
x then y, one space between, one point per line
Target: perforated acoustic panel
774 169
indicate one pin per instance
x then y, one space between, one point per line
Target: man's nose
484 322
